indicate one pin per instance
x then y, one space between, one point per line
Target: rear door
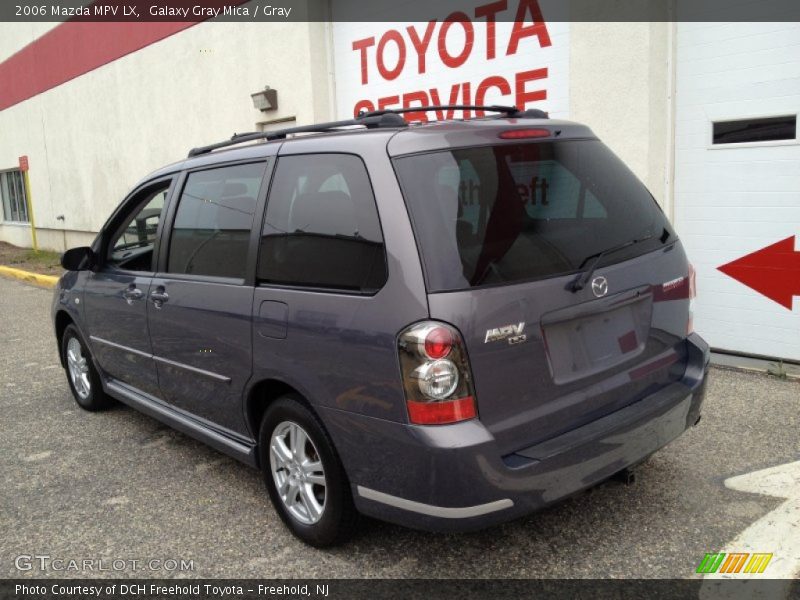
115 295
200 302
505 232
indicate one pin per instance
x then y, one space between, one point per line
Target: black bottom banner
357 589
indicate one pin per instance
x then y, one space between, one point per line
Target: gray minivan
442 324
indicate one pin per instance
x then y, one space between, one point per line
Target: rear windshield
516 212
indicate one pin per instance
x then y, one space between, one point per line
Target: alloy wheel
297 472
78 369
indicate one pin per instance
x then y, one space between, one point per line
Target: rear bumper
453 478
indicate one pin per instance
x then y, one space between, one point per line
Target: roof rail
372 121
508 111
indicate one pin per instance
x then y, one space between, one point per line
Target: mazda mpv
444 324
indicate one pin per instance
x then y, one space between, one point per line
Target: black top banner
399 10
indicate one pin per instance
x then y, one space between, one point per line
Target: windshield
516 212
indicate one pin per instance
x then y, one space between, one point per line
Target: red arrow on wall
773 271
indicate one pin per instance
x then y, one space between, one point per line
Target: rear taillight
692 296
436 374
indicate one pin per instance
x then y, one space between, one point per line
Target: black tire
94 398
338 519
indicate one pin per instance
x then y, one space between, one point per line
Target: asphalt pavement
120 486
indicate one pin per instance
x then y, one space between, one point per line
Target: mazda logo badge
599 286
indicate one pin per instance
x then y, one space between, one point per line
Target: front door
200 303
116 294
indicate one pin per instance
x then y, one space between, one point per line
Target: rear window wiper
583 277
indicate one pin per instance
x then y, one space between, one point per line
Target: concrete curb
47 281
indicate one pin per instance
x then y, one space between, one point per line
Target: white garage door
737 181
471 54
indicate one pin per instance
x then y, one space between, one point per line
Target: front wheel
84 382
304 476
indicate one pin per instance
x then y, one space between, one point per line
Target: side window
132 247
211 232
321 228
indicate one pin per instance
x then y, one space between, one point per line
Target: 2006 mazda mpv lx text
445 324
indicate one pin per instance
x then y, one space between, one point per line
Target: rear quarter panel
340 350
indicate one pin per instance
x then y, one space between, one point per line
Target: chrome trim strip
94 338
444 512
166 361
209 374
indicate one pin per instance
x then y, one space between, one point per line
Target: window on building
12 192
755 130
321 228
211 233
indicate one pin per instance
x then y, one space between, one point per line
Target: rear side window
517 212
321 228
212 227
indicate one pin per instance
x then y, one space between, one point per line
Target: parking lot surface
119 485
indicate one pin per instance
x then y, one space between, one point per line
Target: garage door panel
748 213
757 73
714 33
748 51
758 317
723 94
731 201
723 173
740 197
768 188
766 233
703 245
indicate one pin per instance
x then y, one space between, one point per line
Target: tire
82 376
319 515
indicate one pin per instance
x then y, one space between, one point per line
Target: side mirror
78 259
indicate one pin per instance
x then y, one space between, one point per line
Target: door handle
132 293
159 296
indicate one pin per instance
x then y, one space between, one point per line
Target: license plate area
590 338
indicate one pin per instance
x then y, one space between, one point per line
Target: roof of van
415 138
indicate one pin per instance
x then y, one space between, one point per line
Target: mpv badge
599 286
513 333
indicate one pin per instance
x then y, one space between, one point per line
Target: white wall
90 139
619 86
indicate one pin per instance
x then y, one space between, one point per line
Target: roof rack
508 111
371 121
389 117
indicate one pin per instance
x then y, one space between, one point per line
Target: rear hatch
504 231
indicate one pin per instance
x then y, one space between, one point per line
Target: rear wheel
84 382
304 476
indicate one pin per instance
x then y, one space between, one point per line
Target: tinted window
211 232
516 212
755 130
132 248
321 228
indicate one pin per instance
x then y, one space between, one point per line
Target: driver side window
132 247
